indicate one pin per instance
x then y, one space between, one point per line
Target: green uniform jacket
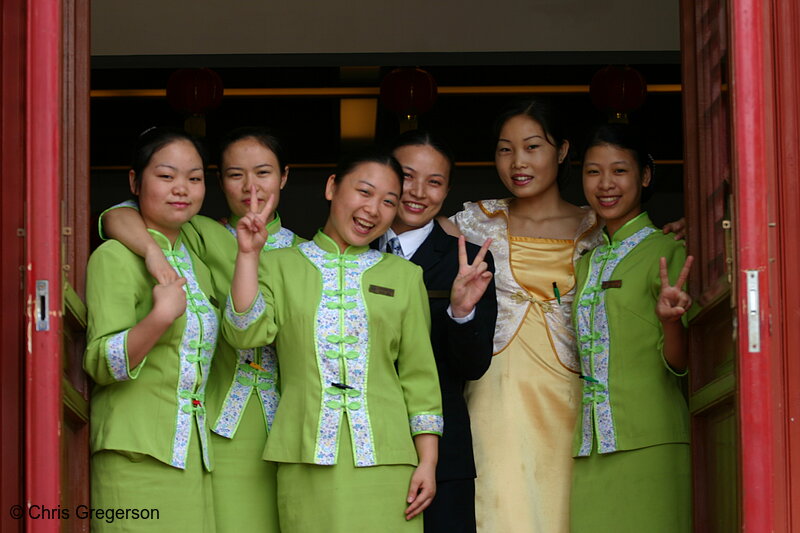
158 406
352 332
631 397
237 376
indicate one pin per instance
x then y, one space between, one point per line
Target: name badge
612 284
377 289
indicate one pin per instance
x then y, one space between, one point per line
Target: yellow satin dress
524 409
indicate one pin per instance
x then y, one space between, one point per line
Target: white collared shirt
410 241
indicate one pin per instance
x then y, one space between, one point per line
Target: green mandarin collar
163 241
329 245
630 227
272 227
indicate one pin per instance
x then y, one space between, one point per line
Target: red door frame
43 260
786 22
763 357
12 221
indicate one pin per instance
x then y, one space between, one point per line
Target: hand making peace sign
251 230
673 301
471 281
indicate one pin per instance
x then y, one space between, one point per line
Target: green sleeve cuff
426 423
117 358
242 321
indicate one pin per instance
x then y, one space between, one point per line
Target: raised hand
251 230
471 281
169 300
673 301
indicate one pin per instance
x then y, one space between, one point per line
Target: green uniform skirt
243 483
644 490
153 495
344 499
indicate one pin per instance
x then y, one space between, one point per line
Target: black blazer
462 351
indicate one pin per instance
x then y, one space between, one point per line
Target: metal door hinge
753 312
727 235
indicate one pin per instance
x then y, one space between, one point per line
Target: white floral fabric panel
196 350
594 345
342 340
117 356
242 321
256 369
426 423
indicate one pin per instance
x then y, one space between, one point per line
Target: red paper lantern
194 91
618 90
408 92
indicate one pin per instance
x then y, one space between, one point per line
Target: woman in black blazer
458 276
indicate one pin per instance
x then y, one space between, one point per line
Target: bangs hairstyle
154 139
543 112
629 138
263 136
370 155
426 138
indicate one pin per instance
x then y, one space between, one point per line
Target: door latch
42 307
753 312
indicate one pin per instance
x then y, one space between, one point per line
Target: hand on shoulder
448 226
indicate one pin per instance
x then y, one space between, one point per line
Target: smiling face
612 183
526 157
248 162
171 187
426 180
363 204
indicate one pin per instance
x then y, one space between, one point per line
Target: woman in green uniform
243 388
149 351
355 435
632 466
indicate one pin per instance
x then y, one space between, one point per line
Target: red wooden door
767 114
742 120
785 250
45 199
43 263
12 194
708 181
75 229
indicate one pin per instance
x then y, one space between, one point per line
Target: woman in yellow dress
524 409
